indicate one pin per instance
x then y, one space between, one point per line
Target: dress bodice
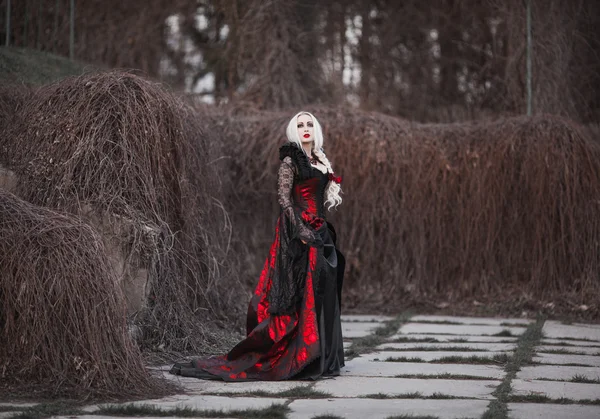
301 192
309 194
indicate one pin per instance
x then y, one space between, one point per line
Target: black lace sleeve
285 183
292 256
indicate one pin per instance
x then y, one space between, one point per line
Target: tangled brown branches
62 313
431 212
445 212
12 99
133 160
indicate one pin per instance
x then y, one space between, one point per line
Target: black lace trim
298 157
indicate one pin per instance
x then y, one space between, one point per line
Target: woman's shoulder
291 153
290 149
287 160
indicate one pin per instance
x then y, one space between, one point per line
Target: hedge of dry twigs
133 160
62 313
493 210
12 99
503 210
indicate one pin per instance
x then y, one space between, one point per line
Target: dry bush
440 212
133 159
12 98
62 314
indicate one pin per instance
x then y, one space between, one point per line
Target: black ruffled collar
298 157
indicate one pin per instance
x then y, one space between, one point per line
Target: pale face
306 130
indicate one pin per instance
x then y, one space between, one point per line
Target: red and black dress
293 323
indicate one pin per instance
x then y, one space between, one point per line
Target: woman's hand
303 241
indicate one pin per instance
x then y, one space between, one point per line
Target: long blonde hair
333 190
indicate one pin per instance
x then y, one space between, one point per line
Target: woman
293 324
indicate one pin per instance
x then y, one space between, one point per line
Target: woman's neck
307 148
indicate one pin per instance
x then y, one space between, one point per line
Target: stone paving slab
121 417
556 389
204 402
427 356
559 359
364 318
577 350
166 367
551 411
253 386
363 386
364 376
489 321
496 347
553 329
207 386
18 405
570 342
358 330
363 368
556 372
191 385
197 386
454 329
448 338
382 409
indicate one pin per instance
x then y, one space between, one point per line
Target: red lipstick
306 135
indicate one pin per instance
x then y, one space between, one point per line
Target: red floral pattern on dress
242 375
312 220
277 346
269 264
262 312
302 355
278 327
306 190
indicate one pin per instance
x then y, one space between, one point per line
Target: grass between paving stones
414 340
474 359
581 339
580 378
444 376
540 398
400 359
300 392
46 410
409 416
379 336
503 333
407 339
577 378
569 364
456 359
562 352
413 395
275 411
497 409
10 409
434 348
563 343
